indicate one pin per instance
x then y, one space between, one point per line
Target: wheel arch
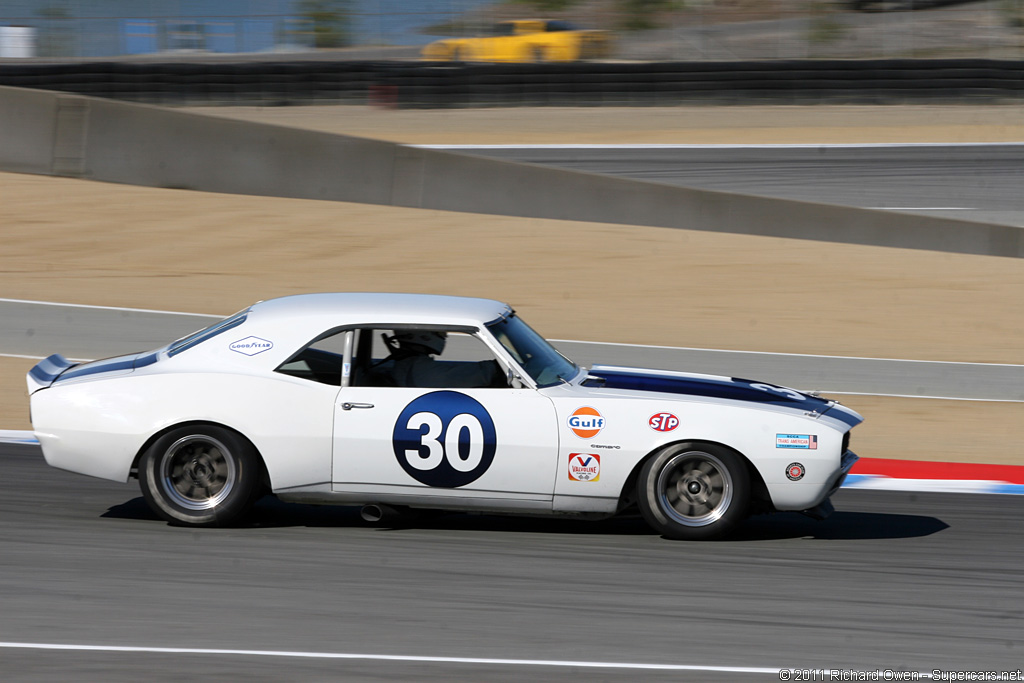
760 498
134 471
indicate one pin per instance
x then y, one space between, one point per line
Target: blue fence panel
257 35
139 36
221 36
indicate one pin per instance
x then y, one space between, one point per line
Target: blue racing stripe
109 365
733 389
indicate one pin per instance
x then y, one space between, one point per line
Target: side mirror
514 380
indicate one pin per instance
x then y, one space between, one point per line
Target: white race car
395 401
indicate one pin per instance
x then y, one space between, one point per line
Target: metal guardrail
420 84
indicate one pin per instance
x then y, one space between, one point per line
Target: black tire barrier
426 85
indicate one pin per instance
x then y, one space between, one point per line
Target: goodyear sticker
584 466
586 422
250 346
804 441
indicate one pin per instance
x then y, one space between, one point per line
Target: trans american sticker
804 441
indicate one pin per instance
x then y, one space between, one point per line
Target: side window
424 358
321 361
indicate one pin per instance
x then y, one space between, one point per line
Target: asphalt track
39 329
915 581
906 581
979 182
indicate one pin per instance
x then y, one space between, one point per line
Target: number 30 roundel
444 439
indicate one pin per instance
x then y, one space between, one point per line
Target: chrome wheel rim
694 488
197 472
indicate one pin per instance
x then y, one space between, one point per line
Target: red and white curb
935 477
14 436
877 474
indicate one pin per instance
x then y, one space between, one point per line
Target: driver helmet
421 341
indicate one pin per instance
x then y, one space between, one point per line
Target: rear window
196 338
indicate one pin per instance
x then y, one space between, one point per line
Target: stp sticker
795 471
250 346
663 422
444 439
584 466
805 441
586 422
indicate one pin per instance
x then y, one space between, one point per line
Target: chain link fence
666 30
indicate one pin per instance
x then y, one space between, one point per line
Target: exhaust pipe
376 514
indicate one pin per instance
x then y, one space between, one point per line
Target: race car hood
714 386
56 368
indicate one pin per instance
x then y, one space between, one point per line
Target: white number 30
436 452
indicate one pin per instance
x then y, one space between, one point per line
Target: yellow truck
524 40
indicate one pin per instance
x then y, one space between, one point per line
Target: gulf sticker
804 441
586 422
584 466
663 422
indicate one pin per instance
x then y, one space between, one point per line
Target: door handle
350 406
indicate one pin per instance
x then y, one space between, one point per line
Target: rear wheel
694 491
200 475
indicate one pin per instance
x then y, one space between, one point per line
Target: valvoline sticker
586 422
584 466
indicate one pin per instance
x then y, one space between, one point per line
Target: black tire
200 475
694 491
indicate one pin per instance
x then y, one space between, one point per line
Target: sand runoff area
84 242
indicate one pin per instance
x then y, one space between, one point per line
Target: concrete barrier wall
27 125
144 145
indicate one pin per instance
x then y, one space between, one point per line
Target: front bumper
825 508
846 464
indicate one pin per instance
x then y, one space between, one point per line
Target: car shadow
270 513
840 526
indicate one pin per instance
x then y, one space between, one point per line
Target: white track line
792 355
107 308
826 392
391 658
18 355
921 208
568 341
594 343
801 145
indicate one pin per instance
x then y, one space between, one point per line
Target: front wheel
694 491
200 475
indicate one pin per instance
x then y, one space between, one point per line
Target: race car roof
384 308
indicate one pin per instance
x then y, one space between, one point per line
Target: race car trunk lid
714 386
57 368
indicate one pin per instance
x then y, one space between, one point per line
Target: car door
479 446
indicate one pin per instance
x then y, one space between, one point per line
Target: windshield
534 354
199 337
